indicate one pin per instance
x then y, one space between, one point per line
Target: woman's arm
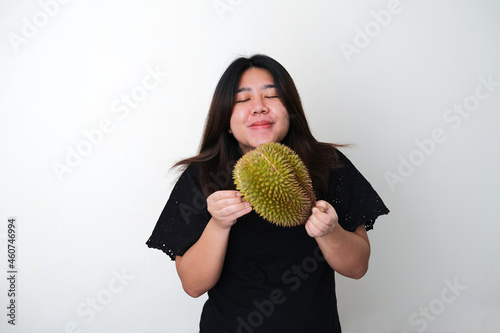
200 267
346 252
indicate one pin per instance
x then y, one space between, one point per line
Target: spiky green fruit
275 182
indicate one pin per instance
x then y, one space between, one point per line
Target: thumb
322 205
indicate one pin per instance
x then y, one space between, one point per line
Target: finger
246 209
313 230
322 205
224 198
218 195
235 209
226 202
320 224
320 216
330 214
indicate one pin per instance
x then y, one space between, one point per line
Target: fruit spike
275 182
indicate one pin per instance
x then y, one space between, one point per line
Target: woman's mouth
262 124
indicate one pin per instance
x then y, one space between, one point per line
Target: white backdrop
98 100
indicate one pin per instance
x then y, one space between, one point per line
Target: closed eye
271 96
243 100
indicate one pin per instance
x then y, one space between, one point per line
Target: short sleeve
184 217
353 198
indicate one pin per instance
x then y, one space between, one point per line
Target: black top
274 279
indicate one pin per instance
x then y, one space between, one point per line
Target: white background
68 67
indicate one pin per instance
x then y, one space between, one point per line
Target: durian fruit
275 182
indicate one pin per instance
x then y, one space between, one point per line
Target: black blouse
274 279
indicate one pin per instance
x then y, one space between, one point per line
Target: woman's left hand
323 220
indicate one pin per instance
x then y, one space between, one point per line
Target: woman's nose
259 107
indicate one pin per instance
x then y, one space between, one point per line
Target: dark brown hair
219 149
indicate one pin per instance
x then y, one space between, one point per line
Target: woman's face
258 115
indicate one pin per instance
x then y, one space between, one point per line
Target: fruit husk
276 183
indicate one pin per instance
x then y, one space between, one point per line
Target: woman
261 277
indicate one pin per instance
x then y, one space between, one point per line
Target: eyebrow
267 86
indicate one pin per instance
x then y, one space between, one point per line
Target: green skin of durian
276 183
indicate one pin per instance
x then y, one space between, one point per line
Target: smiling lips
261 124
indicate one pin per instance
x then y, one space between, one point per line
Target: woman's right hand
226 206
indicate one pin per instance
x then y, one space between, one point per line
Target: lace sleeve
184 217
354 199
